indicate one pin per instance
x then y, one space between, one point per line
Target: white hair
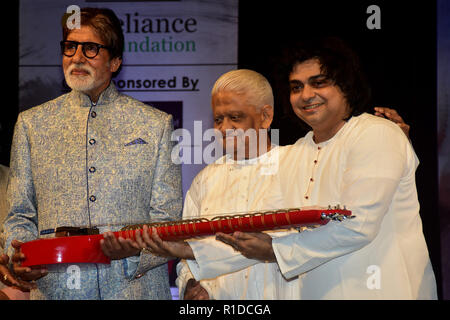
251 84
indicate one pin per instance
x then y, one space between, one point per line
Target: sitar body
86 248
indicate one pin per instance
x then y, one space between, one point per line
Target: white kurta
231 187
368 166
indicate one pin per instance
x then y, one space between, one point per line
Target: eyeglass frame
99 46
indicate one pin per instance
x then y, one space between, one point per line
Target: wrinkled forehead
228 102
228 97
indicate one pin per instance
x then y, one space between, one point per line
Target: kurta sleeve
166 197
213 258
190 269
21 221
376 159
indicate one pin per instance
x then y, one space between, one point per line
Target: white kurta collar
347 125
264 158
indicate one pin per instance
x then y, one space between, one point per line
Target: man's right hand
25 273
194 291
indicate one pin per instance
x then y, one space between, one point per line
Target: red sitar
86 248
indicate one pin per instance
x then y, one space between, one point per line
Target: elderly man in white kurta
241 99
244 186
355 159
244 180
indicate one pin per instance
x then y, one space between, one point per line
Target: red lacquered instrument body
86 248
74 249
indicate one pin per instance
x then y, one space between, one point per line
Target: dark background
399 59
10 94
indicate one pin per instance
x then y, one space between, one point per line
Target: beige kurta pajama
232 187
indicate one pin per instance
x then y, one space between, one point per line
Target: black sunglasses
90 49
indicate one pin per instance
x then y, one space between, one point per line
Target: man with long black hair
354 159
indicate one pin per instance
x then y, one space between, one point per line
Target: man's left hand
118 248
252 245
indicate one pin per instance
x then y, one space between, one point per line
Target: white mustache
83 67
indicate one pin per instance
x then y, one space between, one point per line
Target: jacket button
92 198
92 142
93 114
92 169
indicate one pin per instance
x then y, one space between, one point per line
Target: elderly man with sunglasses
97 159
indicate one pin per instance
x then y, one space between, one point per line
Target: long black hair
339 63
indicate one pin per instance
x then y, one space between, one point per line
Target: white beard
85 83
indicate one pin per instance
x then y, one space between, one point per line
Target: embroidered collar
83 100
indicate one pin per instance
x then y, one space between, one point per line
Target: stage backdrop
174 52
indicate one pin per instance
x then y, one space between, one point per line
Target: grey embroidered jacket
75 163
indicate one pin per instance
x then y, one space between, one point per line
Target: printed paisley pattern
72 164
